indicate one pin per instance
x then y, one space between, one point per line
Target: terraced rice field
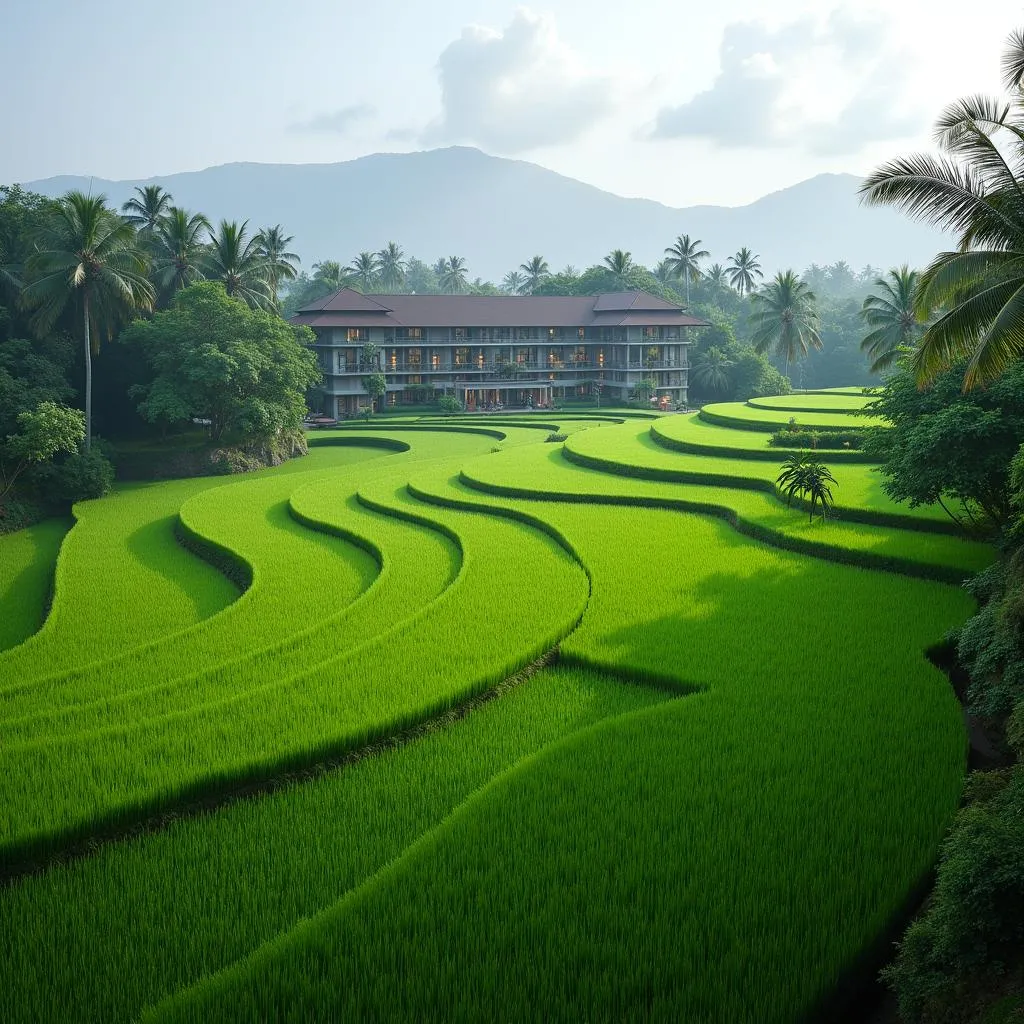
447 722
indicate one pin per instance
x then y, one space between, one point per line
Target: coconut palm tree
685 257
785 318
391 264
744 271
330 274
514 283
237 261
893 317
717 276
710 370
535 269
664 273
179 249
364 271
620 263
144 210
453 276
88 256
281 264
975 190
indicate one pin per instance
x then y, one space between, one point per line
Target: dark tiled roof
349 308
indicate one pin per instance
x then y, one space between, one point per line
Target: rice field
298 745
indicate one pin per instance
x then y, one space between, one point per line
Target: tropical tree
281 264
364 271
893 317
87 256
744 271
237 261
453 275
785 318
717 276
391 266
144 210
375 385
535 269
802 477
685 258
42 433
644 390
514 283
975 190
620 263
330 274
179 249
711 370
664 273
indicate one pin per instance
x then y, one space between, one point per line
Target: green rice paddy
296 721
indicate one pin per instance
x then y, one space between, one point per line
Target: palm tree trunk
687 276
88 374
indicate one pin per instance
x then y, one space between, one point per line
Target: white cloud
337 122
516 90
827 87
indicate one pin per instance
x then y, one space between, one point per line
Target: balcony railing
501 369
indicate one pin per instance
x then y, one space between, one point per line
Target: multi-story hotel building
513 350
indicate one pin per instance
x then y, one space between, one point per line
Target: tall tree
514 283
620 263
87 256
785 318
893 317
179 248
272 244
711 370
717 276
535 269
391 265
237 261
453 277
975 190
744 271
685 256
144 210
664 273
364 271
330 274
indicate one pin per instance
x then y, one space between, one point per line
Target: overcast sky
683 102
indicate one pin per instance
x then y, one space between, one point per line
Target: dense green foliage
216 359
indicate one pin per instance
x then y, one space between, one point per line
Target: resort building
490 351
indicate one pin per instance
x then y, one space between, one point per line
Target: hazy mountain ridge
498 212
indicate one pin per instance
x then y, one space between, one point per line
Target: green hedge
838 440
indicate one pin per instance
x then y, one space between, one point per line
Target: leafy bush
81 476
852 439
449 405
556 436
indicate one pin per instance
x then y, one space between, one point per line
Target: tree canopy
216 359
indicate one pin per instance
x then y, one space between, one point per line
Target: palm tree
684 258
330 274
893 316
802 477
179 247
144 210
237 261
391 266
664 273
536 269
785 318
717 276
711 370
744 271
87 255
453 276
281 264
364 271
975 190
620 263
514 283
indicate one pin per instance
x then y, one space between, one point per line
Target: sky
680 102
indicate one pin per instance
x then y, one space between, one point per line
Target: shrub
449 404
838 439
555 436
81 476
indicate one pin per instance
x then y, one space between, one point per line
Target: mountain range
498 212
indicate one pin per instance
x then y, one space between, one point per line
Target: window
580 332
524 333
461 333
357 334
462 357
414 378
435 360
652 332
409 333
393 357
413 356
579 354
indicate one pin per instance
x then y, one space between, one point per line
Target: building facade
498 351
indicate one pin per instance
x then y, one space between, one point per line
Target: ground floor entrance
501 396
